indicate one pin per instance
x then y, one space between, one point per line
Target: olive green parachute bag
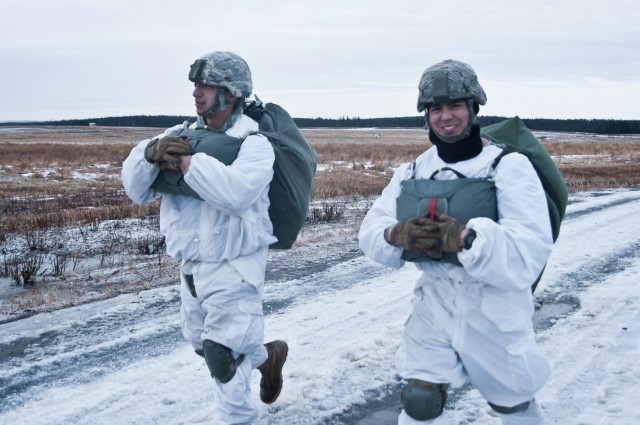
294 167
294 170
515 135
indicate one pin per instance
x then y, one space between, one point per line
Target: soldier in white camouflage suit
221 237
472 305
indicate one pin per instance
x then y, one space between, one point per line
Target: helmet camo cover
223 69
449 81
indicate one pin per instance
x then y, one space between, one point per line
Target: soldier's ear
228 97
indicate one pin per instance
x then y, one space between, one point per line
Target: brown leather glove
414 234
447 230
166 149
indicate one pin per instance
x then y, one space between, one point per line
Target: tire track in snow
575 209
584 358
86 350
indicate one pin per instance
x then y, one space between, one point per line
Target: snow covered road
123 360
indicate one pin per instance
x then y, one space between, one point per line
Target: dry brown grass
62 176
393 146
605 149
347 183
582 177
28 156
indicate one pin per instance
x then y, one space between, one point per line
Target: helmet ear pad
473 108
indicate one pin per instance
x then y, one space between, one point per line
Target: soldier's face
204 97
449 119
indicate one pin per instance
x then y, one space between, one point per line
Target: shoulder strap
412 170
505 151
457 173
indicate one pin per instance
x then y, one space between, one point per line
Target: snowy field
123 360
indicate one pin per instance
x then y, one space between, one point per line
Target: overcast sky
331 58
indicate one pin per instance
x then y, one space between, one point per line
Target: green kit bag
515 135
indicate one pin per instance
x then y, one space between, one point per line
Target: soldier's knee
423 400
506 410
220 360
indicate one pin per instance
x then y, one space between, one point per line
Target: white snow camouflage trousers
227 309
460 331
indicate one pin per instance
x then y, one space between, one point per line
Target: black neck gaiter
464 149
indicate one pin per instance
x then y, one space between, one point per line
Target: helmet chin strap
218 103
220 99
236 112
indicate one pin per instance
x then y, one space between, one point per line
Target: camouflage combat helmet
449 81
223 69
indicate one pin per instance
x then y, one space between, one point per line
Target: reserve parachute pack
516 137
294 167
426 197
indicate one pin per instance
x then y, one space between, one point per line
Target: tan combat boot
271 370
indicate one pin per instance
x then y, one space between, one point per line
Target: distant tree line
162 121
598 126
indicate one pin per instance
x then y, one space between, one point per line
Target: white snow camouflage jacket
509 254
232 220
